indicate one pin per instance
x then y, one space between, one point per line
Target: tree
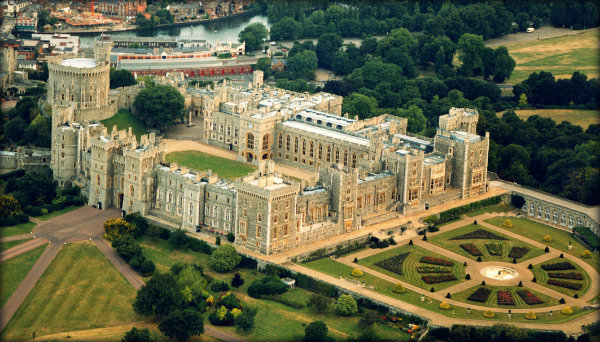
264 64
504 64
341 63
9 206
178 239
159 106
359 104
14 130
253 35
471 49
286 29
523 100
35 188
415 117
121 78
369 317
224 259
517 201
319 303
401 39
245 321
116 227
346 305
302 64
315 331
159 296
237 281
39 131
181 325
138 335
327 46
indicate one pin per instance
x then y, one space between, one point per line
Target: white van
530 29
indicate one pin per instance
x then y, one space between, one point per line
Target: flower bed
529 297
471 249
438 278
432 269
479 234
494 248
480 295
559 266
393 264
566 275
505 298
566 284
517 252
436 261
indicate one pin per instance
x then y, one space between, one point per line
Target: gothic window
169 196
531 209
180 201
312 149
337 156
570 221
353 159
265 142
328 153
72 97
250 141
285 230
563 219
275 233
295 145
287 142
539 211
131 191
320 152
345 158
258 218
303 147
280 140
579 222
287 216
275 219
98 179
555 216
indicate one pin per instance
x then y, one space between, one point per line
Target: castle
368 170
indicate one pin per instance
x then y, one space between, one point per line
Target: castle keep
368 170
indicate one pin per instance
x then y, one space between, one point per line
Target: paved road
22 248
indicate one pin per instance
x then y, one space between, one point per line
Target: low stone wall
329 250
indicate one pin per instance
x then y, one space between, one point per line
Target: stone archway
249 157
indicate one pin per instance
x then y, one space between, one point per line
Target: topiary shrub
488 314
425 237
483 283
448 295
514 260
576 296
432 289
346 305
357 273
520 284
562 301
561 255
547 238
530 266
567 310
465 263
507 224
534 280
399 288
586 254
231 237
547 250
355 260
410 243
478 259
444 306
530 315
468 276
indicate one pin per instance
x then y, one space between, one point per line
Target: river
223 30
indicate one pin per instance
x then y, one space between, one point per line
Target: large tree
358 104
159 106
224 259
254 35
35 188
315 331
121 78
302 64
327 46
159 296
471 48
182 325
263 64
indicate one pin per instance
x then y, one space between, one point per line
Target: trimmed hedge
456 213
587 236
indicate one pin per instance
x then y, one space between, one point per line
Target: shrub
478 259
432 289
480 295
520 284
479 234
588 237
219 286
346 305
245 321
507 224
546 250
230 301
237 281
424 237
558 266
147 268
468 276
392 241
231 237
369 317
410 243
357 273
315 331
517 252
488 314
393 264
567 310
566 275
562 301
218 241
138 335
438 278
530 266
547 238
586 254
530 315
355 260
318 302
448 295
444 306
165 234
399 288
433 229
224 259
483 283
178 239
514 260
566 284
116 227
269 285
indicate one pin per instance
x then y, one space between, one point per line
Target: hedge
14 220
456 213
587 236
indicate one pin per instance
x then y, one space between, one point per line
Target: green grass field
199 161
81 289
125 119
492 300
542 277
498 208
23 228
10 244
536 231
443 240
409 267
56 213
13 271
580 117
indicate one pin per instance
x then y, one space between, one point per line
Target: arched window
131 191
169 196
353 159
72 97
287 142
320 153
245 212
328 153
311 150
265 142
258 218
275 219
215 211
345 158
303 147
180 200
191 211
337 156
285 230
295 145
220 128
280 140
287 216
250 141
62 96
98 179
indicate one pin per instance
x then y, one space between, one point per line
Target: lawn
13 271
124 119
23 228
542 277
81 289
335 269
492 300
498 208
199 161
56 213
10 244
409 267
536 231
561 56
581 117
443 240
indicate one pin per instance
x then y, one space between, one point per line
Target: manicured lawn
409 267
335 269
536 231
581 117
443 240
13 271
10 244
492 300
57 213
124 119
81 289
199 161
542 277
161 253
23 228
498 208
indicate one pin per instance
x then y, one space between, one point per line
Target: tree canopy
225 258
159 106
253 35
182 324
121 78
159 296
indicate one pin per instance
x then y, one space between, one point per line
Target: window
227 214
531 209
228 130
563 219
274 232
353 160
287 216
337 156
555 216
235 132
258 218
275 219
97 179
131 191
579 222
250 141
413 194
169 196
285 230
72 97
312 149
287 142
303 147
328 153
547 214
216 211
214 126
320 152
539 211
242 227
258 231
570 221
207 210
244 212
180 200
191 211
220 128
280 140
382 198
265 142
295 145
345 158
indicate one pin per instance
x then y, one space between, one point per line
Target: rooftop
79 62
327 132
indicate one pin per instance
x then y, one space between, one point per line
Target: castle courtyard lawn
125 119
199 161
56 213
10 244
409 267
444 240
542 277
23 228
80 289
498 208
13 271
536 231
492 300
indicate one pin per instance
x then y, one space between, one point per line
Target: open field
580 117
228 169
409 267
56 213
124 119
444 240
561 56
10 244
80 289
13 271
23 228
542 277
536 231
492 300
